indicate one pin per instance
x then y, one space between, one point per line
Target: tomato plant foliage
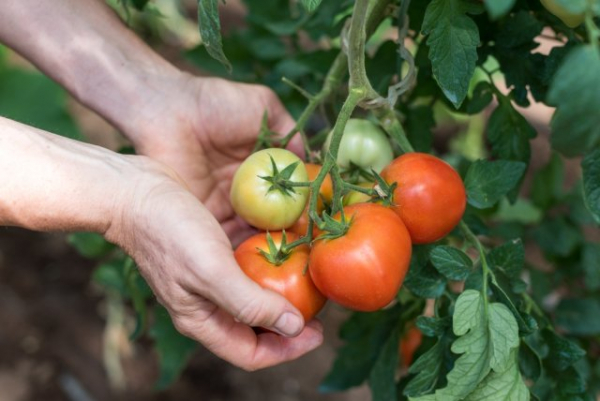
508 301
496 339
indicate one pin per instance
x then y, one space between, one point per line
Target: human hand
187 260
177 243
206 128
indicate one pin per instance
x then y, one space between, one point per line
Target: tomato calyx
384 191
355 174
266 138
276 255
333 228
280 180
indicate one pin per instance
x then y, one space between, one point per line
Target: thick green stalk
337 72
356 47
354 98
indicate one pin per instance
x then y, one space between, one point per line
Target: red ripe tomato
409 344
430 197
300 227
289 279
363 269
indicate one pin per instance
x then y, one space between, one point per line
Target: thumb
253 305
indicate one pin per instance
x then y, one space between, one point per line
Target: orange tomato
430 197
363 269
289 279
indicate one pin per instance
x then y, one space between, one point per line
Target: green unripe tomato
364 144
571 20
257 201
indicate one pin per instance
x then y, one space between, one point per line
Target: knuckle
254 313
184 327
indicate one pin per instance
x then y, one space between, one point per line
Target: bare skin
168 209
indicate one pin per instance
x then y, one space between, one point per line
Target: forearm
52 183
85 47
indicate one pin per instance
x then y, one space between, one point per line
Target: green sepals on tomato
570 19
364 268
261 192
430 196
363 145
288 276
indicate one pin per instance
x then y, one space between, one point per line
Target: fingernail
289 324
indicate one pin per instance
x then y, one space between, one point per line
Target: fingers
237 343
252 305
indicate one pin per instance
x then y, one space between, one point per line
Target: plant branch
472 238
390 123
336 73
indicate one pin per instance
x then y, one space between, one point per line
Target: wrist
52 183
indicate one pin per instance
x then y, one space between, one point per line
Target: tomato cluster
359 256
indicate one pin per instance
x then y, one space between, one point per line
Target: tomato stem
391 124
356 49
358 188
354 98
334 77
472 238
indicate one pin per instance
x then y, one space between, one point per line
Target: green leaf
576 122
483 94
36 100
503 334
423 279
487 182
139 292
525 322
502 386
365 335
579 316
529 362
591 182
514 51
278 17
382 380
451 262
487 338
419 123
427 369
311 5
558 236
508 257
210 30
174 350
498 8
90 245
547 185
590 261
433 326
453 38
139 4
509 133
110 275
562 353
571 383
522 211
